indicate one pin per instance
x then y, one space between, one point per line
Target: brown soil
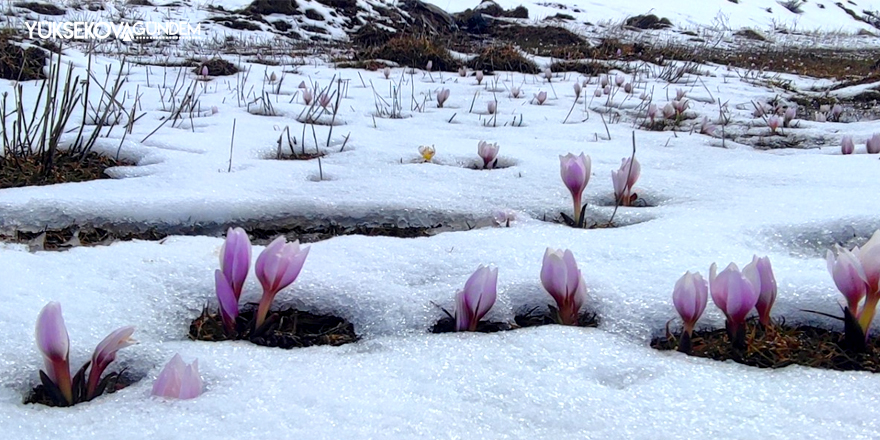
780 346
29 171
289 328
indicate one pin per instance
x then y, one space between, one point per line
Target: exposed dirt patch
20 64
31 171
589 68
217 67
526 318
505 57
540 40
110 383
780 346
289 328
266 7
649 21
40 8
414 52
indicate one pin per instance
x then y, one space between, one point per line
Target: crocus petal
553 275
168 383
869 256
191 381
235 258
226 298
719 295
463 314
292 263
489 293
51 333
572 274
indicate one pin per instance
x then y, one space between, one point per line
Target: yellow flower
427 152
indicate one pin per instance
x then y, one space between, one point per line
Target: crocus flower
204 71
491 106
575 171
479 76
302 85
606 90
462 71
324 100
735 296
619 80
873 144
773 123
628 88
624 178
54 342
178 380
577 90
541 97
476 299
273 77
387 72
598 93
228 301
104 354
849 277
235 259
277 267
308 96
820 117
836 111
442 96
488 152
680 106
869 257
427 152
429 65
604 81
548 74
707 127
760 273
564 282
668 111
679 94
652 112
514 92
847 146
690 296
788 116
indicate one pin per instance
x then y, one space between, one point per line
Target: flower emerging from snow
679 94
652 112
760 273
235 259
462 72
577 90
773 123
548 74
491 106
873 144
668 111
277 267
324 100
489 153
619 80
387 72
836 111
788 116
604 81
442 96
429 65
427 152
308 96
563 280
628 88
178 380
690 296
847 146
204 71
104 354
734 294
541 97
476 299
849 276
820 117
707 127
479 76
623 180
598 93
515 91
575 171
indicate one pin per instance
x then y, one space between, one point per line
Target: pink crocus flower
735 296
847 146
104 354
760 273
773 123
488 152
541 97
624 179
690 296
54 343
849 277
442 96
235 259
476 299
575 172
178 380
563 280
277 267
873 144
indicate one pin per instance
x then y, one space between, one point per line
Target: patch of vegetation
793 5
40 8
589 68
370 35
750 34
503 57
18 171
314 15
19 64
540 40
649 21
414 51
217 67
266 7
560 16
288 328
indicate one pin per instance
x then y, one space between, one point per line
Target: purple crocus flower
541 97
563 280
227 299
442 96
575 171
652 112
104 354
788 116
488 152
849 277
178 380
760 273
847 146
308 96
476 299
873 144
277 267
235 259
773 123
735 296
624 178
690 295
205 71
54 342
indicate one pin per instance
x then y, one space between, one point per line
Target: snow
711 203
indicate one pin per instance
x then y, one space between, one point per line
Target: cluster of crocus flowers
575 172
563 280
178 380
53 342
623 180
733 291
476 299
488 153
856 274
277 267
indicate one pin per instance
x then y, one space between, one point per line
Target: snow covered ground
711 202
